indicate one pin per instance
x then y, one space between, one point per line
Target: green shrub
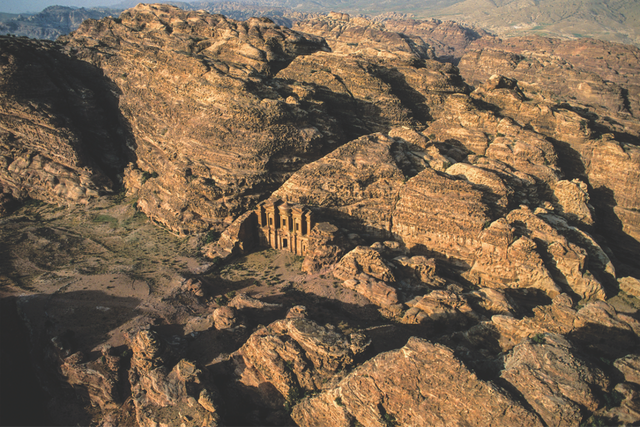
389 420
106 219
538 339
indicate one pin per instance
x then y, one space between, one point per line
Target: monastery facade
283 226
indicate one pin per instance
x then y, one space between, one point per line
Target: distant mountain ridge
53 21
614 20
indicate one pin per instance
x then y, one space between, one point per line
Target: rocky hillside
474 254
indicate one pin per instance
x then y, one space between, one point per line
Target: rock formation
539 371
217 66
470 234
296 355
392 386
154 386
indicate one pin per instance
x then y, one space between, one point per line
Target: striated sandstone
630 286
629 366
599 328
448 39
159 381
222 128
372 95
567 261
587 76
355 35
505 261
421 268
556 383
327 244
616 193
61 139
439 308
295 355
491 301
224 318
573 201
596 328
364 271
363 260
440 215
418 384
243 301
237 238
212 115
356 184
99 379
629 410
585 100
558 318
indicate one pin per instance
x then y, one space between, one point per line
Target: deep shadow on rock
60 326
82 141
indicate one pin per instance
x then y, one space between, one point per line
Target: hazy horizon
35 6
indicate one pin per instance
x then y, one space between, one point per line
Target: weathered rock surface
363 260
628 411
573 201
236 239
568 260
593 71
506 261
215 109
630 285
613 173
327 244
61 139
498 214
556 383
441 216
99 379
243 301
421 268
596 328
491 301
418 384
629 366
157 383
587 102
355 35
356 183
364 270
296 355
448 39
439 308
368 94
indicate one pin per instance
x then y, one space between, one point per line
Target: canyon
208 221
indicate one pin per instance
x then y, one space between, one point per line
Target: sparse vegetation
389 420
538 339
148 175
211 236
